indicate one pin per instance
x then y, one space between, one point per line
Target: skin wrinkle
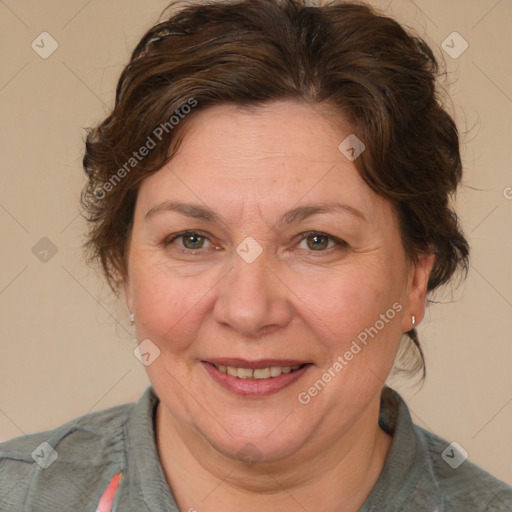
287 303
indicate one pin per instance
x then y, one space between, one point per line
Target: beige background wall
66 344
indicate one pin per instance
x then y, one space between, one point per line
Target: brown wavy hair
364 65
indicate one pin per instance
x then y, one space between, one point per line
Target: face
271 279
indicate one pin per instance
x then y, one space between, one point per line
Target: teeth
259 373
275 371
244 373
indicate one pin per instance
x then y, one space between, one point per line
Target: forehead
237 136
279 154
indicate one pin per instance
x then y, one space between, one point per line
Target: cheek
355 295
167 305
355 304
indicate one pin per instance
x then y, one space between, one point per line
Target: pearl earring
132 317
413 318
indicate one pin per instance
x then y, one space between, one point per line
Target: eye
194 241
190 240
320 242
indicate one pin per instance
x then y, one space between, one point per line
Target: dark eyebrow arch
307 210
295 215
195 211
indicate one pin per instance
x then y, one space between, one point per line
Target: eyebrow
294 215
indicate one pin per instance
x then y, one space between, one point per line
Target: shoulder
462 484
72 460
426 472
98 428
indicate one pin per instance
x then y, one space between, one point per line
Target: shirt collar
407 481
147 475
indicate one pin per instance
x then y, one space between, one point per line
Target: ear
417 281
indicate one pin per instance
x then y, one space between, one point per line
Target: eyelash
339 243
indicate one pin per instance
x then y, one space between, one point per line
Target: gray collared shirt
69 468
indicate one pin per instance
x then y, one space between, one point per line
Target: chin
265 437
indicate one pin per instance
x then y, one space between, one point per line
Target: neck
342 474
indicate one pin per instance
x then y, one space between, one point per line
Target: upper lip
260 363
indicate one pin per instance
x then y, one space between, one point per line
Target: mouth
255 378
267 372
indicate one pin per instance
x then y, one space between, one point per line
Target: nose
252 300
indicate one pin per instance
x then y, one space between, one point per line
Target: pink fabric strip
106 500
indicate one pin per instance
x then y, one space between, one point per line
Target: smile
255 379
259 373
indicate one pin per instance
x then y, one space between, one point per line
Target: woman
271 193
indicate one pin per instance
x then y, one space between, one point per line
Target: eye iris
193 241
319 242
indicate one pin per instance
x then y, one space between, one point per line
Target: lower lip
255 387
